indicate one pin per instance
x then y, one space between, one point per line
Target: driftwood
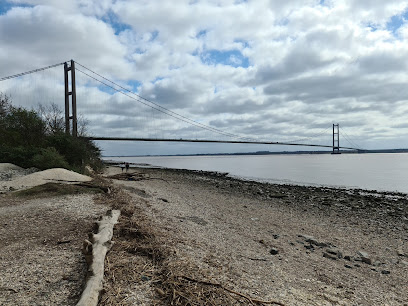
95 250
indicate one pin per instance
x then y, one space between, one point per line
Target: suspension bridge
124 115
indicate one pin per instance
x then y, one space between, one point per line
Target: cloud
266 69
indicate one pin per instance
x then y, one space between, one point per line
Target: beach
192 236
292 244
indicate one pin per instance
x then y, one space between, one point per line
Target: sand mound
42 177
8 166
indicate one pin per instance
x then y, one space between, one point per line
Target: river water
384 172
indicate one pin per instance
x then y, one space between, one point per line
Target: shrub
21 156
49 158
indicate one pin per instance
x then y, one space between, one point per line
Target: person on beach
122 166
127 167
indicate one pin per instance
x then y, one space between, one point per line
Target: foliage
78 152
20 127
36 139
49 158
18 155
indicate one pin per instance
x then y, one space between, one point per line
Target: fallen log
95 250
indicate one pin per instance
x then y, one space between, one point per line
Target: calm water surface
386 172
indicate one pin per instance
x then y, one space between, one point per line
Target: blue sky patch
244 43
154 35
157 80
133 85
397 21
6 6
230 58
201 33
113 20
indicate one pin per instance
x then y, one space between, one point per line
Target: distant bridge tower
70 91
336 139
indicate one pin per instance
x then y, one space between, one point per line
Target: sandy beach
190 237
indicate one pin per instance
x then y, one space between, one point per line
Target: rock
401 253
348 257
362 254
276 236
348 266
274 251
309 247
336 252
364 257
313 240
385 272
330 256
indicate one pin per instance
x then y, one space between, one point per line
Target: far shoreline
266 182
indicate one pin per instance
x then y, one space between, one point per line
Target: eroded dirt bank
292 244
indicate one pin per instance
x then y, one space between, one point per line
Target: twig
258 259
8 289
251 300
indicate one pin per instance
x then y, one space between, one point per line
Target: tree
54 119
38 139
5 104
21 127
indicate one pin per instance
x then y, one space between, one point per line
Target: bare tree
54 118
5 104
82 126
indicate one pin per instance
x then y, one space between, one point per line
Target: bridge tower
70 91
336 139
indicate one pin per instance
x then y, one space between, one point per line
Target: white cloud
309 64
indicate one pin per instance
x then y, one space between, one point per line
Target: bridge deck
215 141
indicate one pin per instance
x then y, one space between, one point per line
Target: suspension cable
161 108
348 138
29 72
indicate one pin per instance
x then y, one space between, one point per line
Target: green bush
78 152
20 156
20 127
49 158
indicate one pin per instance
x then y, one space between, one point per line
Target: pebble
348 266
274 251
385 272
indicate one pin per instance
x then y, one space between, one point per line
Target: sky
267 69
